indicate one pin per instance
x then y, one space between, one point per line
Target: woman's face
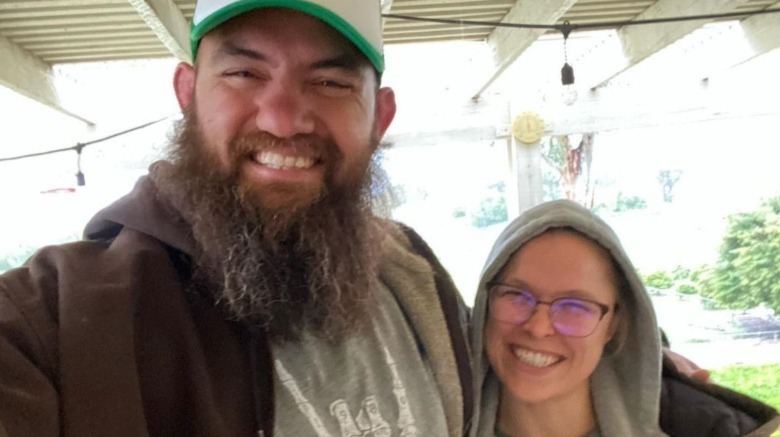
534 362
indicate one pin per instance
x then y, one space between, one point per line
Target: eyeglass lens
569 316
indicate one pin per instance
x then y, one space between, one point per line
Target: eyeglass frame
603 307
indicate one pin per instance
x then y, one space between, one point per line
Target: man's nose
284 110
539 324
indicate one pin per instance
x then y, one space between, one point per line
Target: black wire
565 28
597 25
80 146
676 19
472 23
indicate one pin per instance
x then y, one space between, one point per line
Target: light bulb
568 94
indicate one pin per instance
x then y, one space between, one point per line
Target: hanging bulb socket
80 179
567 74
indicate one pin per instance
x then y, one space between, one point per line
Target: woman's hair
625 304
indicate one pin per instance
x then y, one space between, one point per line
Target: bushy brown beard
306 266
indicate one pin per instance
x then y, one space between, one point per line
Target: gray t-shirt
377 385
592 433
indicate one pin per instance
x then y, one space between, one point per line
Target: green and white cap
359 21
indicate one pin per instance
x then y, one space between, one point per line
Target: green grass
760 382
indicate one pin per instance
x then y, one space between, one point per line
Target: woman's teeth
536 359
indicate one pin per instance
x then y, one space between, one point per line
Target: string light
568 91
589 26
80 180
79 147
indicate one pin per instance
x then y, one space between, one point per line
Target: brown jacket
98 338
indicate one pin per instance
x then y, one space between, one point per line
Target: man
244 287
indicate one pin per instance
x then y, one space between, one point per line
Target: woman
569 344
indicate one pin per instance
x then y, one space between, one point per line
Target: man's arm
686 366
29 403
681 363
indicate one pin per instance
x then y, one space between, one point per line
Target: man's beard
307 265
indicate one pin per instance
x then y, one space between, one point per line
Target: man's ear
184 84
385 110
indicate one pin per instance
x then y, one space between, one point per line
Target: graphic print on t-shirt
368 420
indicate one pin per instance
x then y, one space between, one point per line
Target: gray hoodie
626 386
634 391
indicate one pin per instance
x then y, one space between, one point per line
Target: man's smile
283 162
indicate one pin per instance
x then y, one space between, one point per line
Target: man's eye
334 84
334 87
241 73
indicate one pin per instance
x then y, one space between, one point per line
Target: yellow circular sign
528 127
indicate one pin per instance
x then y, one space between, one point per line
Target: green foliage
760 382
491 210
459 212
554 153
627 203
680 273
747 272
668 179
700 274
10 261
687 289
659 279
17 256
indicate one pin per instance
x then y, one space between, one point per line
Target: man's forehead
254 27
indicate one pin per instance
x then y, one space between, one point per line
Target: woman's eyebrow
557 294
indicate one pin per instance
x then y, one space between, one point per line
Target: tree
668 179
491 209
571 169
747 272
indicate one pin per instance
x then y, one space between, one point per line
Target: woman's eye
575 307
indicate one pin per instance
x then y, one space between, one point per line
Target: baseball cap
359 21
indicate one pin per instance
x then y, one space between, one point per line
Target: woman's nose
539 324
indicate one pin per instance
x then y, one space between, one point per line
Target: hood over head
147 210
626 385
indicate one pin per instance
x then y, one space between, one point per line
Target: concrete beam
526 183
168 23
762 33
642 41
509 43
385 6
607 110
27 74
616 109
467 135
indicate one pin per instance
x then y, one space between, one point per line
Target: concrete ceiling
37 34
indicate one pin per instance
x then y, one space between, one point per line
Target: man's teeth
536 359
275 160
